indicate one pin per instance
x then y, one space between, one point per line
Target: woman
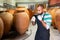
43 20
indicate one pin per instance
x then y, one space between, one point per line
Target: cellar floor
30 34
54 33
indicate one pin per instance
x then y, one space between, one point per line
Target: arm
47 21
40 18
44 24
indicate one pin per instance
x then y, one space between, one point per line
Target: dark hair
40 5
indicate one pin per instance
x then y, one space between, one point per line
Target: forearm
44 24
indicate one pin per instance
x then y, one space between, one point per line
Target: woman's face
39 9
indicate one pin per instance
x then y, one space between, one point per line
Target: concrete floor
54 34
30 35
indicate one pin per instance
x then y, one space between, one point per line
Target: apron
42 33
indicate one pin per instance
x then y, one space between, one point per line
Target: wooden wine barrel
7 19
57 19
1 28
